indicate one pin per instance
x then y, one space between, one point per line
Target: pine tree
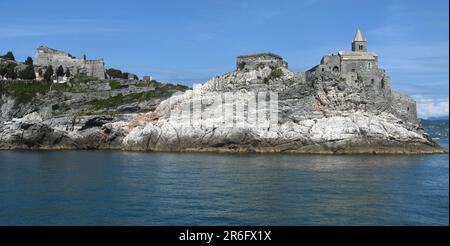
29 61
28 73
3 71
67 73
9 56
60 71
11 74
48 74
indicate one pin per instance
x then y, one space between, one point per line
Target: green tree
9 56
29 61
3 70
28 73
114 73
67 73
11 74
60 71
48 74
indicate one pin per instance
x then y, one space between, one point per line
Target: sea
149 188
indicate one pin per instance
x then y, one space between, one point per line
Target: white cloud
432 107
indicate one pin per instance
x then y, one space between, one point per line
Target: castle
51 57
358 66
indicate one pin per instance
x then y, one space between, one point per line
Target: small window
361 47
335 69
323 69
353 70
372 80
407 108
382 83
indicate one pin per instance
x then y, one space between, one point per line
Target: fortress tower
359 43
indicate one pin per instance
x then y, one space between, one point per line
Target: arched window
369 65
335 69
382 84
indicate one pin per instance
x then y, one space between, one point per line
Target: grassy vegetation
63 107
260 66
83 78
276 73
163 91
24 92
151 83
114 84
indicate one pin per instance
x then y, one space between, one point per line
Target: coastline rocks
332 117
325 113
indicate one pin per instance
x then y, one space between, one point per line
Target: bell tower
359 43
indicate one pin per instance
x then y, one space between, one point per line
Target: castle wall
404 107
49 57
95 69
330 63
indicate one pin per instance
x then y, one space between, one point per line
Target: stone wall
405 107
50 57
259 60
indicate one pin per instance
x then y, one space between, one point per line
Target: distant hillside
436 128
438 118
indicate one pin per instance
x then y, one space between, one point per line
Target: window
361 47
382 83
369 65
335 69
372 80
323 69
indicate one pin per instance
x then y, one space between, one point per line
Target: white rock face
321 128
262 110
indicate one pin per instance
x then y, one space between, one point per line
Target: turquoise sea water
127 188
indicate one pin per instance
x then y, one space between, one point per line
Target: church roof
359 36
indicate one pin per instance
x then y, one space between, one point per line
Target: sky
192 41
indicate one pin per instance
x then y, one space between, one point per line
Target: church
358 60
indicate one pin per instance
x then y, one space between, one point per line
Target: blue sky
191 41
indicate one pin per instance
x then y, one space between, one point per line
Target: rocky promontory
344 105
318 112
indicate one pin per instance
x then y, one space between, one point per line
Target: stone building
253 61
357 60
51 57
361 66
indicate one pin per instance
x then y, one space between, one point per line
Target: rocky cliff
316 112
39 115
